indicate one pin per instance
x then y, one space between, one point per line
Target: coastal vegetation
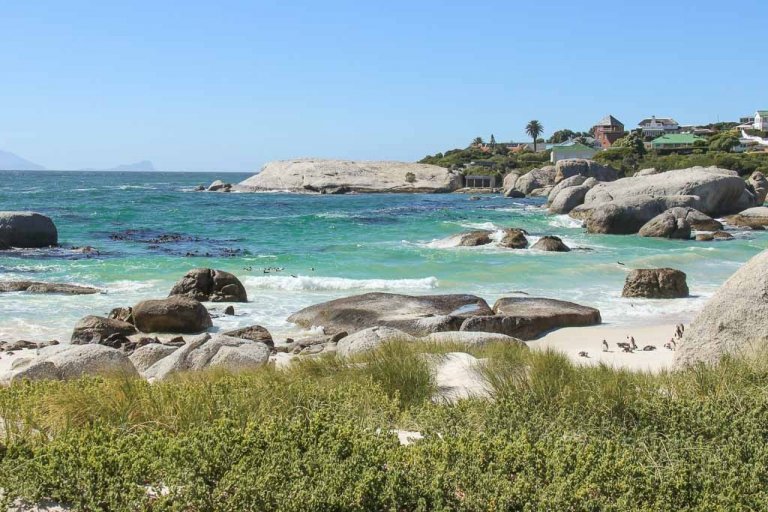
321 435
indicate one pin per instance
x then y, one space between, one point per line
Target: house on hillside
655 126
761 120
608 130
571 149
676 142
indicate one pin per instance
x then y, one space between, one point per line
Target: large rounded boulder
96 329
177 314
759 185
27 230
417 316
514 239
656 283
67 361
754 218
667 225
205 284
550 243
569 167
734 321
627 215
536 179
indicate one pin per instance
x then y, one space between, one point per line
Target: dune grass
320 436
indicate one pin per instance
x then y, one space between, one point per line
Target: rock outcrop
41 287
754 218
527 318
667 225
627 215
340 176
204 351
573 181
570 167
205 284
733 321
176 314
759 185
417 316
219 186
509 185
719 191
96 329
27 230
536 179
550 243
656 283
59 362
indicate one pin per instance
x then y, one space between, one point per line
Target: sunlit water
150 228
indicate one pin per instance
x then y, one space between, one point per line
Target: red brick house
608 130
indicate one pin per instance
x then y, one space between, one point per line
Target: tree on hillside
561 136
724 141
534 129
492 143
477 141
634 141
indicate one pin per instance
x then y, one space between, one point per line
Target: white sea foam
564 221
309 283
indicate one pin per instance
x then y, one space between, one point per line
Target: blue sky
229 85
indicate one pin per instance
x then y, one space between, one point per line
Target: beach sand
572 340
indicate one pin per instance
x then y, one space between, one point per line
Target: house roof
677 138
609 120
762 113
662 120
572 147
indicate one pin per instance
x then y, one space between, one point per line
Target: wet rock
514 239
229 311
550 243
27 230
470 238
754 218
205 284
41 287
176 314
220 186
94 329
656 283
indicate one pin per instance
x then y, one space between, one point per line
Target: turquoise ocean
151 228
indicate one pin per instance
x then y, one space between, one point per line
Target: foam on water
310 283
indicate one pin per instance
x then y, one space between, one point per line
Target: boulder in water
550 243
205 284
656 283
95 329
27 230
514 239
40 287
754 218
470 238
627 215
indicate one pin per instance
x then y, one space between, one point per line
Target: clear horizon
195 87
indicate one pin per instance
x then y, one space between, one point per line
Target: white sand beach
573 340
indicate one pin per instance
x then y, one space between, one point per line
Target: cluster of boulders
43 287
511 238
543 181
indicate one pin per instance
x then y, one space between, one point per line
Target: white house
657 126
761 120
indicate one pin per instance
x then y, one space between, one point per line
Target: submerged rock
417 316
41 287
176 314
27 230
656 283
205 284
733 321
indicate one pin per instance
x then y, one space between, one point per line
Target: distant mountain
143 166
11 162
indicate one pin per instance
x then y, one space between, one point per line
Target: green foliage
319 436
561 136
724 141
633 141
410 177
501 159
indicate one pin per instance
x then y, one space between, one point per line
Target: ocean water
151 228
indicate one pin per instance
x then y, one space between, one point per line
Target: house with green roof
571 149
676 142
761 120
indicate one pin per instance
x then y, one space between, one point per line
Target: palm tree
534 129
477 141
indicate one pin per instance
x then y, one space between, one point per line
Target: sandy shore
573 340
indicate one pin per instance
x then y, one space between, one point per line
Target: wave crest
309 283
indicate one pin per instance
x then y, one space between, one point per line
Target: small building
761 120
676 142
571 149
480 181
608 130
747 120
655 126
